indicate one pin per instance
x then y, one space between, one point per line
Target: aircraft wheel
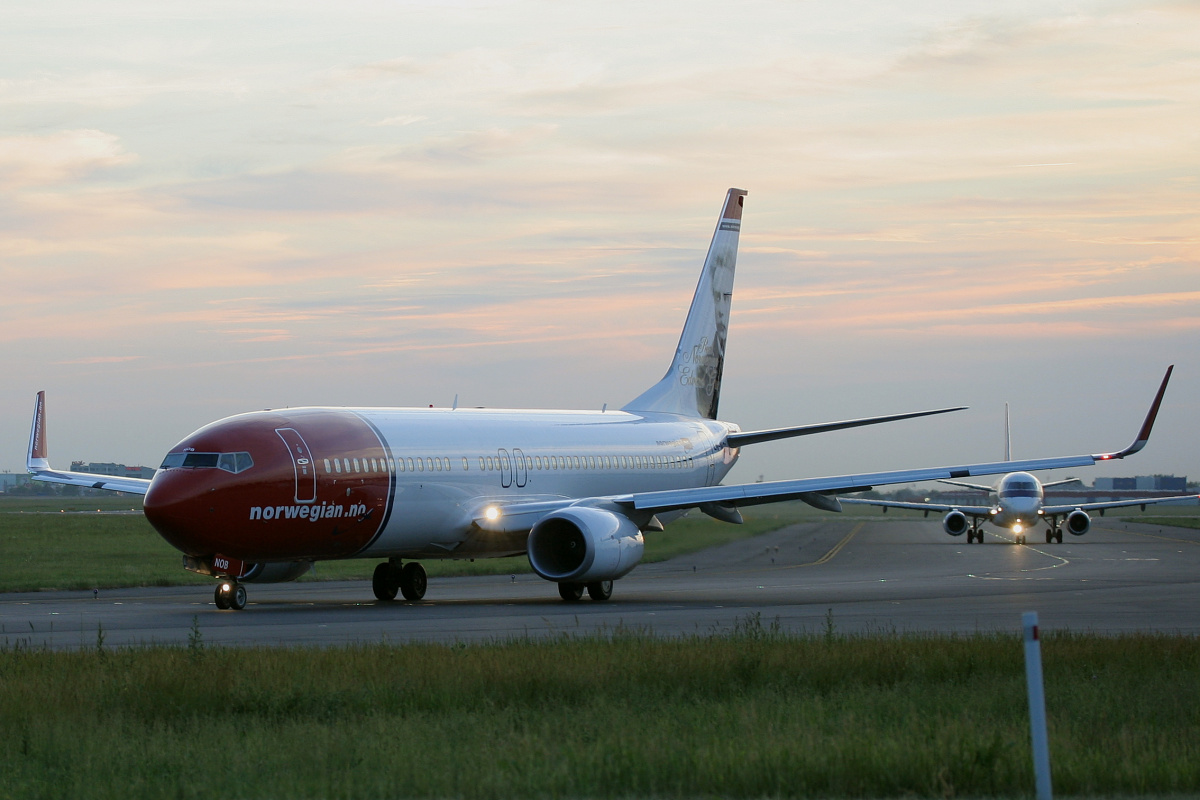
570 591
979 536
1049 536
219 597
970 536
413 581
1058 535
385 582
600 590
237 597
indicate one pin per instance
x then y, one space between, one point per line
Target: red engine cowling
955 523
1078 522
582 545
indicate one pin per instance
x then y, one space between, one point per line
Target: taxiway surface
857 574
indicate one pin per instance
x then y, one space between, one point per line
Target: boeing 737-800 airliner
1017 502
263 495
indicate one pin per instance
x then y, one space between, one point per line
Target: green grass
752 715
57 544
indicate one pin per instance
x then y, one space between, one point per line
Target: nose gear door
302 464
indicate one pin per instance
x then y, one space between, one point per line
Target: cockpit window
230 462
1020 489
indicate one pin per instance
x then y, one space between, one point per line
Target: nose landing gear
230 595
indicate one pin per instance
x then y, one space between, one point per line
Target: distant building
1143 483
10 479
119 470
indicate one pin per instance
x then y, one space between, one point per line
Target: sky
254 205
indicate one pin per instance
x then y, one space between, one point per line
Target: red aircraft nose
271 486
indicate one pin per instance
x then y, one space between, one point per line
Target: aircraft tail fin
692 384
1007 436
37 461
38 456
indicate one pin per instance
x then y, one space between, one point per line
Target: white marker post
1037 705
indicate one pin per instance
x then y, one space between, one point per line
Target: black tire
219 597
413 581
385 583
1049 536
571 592
979 536
600 590
1058 535
238 597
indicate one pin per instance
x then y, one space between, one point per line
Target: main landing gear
230 595
974 535
573 592
1053 535
391 578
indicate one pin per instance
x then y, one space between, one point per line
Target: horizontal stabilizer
979 487
755 437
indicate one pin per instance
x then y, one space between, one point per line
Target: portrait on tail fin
692 385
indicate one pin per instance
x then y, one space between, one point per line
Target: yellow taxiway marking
836 548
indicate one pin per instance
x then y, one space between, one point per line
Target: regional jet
1017 502
262 496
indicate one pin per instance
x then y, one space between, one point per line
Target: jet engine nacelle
955 523
1078 522
581 545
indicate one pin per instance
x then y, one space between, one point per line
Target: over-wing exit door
302 463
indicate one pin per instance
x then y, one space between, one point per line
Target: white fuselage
448 464
1017 500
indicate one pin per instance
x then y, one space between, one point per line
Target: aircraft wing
815 491
1143 502
38 463
780 491
978 511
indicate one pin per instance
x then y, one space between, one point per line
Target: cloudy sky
393 203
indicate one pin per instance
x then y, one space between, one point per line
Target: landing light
225 587
491 514
1017 528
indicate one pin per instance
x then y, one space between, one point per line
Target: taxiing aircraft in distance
262 496
1017 502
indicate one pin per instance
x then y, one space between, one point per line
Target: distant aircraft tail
692 385
37 456
1007 436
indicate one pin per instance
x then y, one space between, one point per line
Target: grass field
65 544
755 714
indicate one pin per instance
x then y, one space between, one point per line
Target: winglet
1144 434
38 456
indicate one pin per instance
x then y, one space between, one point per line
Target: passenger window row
356 466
